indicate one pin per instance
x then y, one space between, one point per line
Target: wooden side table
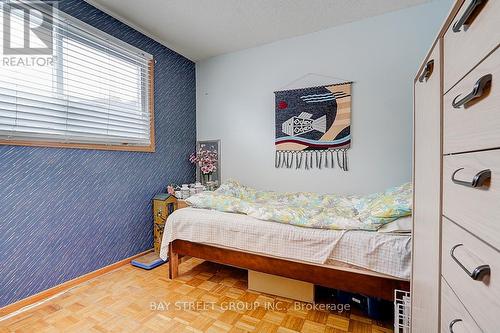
163 205
182 204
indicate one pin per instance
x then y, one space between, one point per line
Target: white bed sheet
380 252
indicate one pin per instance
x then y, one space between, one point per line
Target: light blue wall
235 100
66 212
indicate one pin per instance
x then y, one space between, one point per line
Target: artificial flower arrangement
206 160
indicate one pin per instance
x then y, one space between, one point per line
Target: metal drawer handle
473 6
428 69
478 181
478 273
476 92
453 322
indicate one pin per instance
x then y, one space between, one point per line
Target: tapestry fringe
322 159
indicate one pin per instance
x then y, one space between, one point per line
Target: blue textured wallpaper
67 212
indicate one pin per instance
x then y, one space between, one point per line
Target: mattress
384 253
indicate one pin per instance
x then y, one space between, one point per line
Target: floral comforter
310 210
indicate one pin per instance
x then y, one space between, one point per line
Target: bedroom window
64 83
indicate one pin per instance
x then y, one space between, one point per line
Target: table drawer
477 209
465 45
454 317
475 125
464 256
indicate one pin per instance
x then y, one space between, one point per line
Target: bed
366 262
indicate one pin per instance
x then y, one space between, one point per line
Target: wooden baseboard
65 286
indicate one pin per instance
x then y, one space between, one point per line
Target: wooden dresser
456 174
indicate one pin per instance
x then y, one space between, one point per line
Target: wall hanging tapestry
313 127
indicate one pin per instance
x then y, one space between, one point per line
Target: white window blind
96 91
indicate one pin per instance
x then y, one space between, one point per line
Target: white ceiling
200 29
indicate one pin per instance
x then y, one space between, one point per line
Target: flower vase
207 177
207 181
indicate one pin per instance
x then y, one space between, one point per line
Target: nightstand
182 204
163 205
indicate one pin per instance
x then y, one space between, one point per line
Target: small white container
185 191
198 187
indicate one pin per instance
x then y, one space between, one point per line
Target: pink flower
193 158
170 190
205 159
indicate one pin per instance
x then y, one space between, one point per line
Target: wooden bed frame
346 279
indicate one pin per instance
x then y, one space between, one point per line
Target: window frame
150 148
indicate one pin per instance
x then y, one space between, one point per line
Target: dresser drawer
466 44
463 255
454 317
477 209
474 125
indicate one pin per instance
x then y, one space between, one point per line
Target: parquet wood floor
205 298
